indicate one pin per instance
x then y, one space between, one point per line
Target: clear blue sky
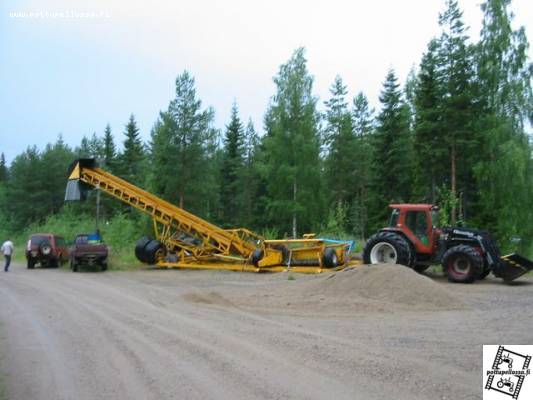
98 63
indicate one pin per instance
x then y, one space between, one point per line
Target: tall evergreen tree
340 164
431 150
392 150
131 161
231 169
250 179
109 151
3 169
363 122
292 144
96 147
84 149
458 109
183 152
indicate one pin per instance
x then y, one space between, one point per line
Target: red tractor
414 240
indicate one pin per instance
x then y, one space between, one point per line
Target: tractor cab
418 222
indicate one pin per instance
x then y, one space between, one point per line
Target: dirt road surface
159 334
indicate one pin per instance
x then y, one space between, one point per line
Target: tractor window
394 217
417 223
435 218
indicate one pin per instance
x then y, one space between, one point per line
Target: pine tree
130 163
392 150
231 192
292 149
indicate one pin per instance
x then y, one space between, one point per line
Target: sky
70 68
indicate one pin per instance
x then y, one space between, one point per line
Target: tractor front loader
183 240
414 240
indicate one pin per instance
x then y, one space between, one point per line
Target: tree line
454 134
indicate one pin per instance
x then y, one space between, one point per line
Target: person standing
7 251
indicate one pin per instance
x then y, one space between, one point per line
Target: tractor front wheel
387 248
462 264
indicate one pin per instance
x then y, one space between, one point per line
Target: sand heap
381 284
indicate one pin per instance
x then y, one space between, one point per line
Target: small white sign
507 373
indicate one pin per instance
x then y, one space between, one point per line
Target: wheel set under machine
149 250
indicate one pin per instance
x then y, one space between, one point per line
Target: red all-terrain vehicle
414 239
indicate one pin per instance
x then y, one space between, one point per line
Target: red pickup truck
86 251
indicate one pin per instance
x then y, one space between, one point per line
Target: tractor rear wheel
387 248
139 248
462 264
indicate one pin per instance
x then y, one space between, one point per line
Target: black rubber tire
330 258
104 266
139 248
31 263
53 263
472 264
484 274
73 266
284 251
257 255
420 267
404 255
486 270
151 250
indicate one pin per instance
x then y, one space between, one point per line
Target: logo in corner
506 377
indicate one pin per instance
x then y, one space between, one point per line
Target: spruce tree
109 151
3 169
231 191
250 179
392 151
431 150
363 123
130 163
340 163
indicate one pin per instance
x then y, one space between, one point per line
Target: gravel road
159 334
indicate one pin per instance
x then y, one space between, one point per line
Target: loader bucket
513 266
